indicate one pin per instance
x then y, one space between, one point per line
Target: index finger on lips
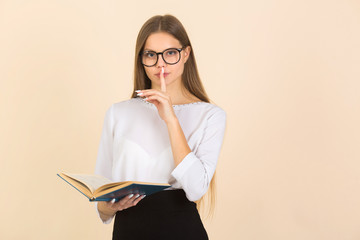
162 80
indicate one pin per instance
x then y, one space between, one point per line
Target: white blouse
135 145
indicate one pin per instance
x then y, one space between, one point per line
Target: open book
99 188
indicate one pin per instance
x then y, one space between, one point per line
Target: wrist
172 121
104 210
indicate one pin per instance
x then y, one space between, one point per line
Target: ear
187 51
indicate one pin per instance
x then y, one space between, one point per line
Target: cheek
180 69
149 73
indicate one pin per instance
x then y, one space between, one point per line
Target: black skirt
163 215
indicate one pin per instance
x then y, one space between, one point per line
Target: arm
105 212
196 169
179 145
162 101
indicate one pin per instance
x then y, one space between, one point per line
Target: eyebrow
147 49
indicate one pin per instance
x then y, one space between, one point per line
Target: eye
149 54
171 52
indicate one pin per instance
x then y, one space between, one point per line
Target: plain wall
286 72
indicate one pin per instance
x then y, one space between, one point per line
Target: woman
168 132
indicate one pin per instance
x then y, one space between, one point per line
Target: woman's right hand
111 207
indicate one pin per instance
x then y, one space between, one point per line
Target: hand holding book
108 209
98 188
111 196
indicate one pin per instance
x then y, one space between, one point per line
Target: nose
160 63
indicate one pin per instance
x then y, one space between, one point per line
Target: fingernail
139 94
137 195
145 98
112 201
143 196
131 195
137 90
162 70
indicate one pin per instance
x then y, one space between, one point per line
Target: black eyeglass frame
161 53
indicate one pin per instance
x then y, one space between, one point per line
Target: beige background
286 72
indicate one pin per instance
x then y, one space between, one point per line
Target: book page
91 181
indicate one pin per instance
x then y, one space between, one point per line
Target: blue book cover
98 188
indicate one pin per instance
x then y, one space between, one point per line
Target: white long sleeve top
135 145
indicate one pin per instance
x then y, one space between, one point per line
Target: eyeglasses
170 56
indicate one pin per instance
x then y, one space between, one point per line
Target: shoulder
216 114
119 108
212 118
123 105
211 110
216 110
203 111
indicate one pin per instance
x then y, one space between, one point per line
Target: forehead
161 41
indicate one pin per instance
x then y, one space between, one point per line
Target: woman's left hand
160 99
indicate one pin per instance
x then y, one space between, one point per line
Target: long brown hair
190 77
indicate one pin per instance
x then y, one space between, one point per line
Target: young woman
168 132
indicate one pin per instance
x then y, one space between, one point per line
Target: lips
165 74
